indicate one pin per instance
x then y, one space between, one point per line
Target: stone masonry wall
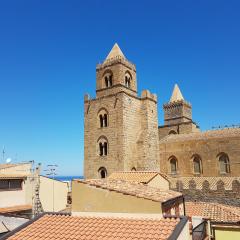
207 149
220 194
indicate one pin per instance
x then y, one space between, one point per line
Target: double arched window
173 165
103 118
197 164
102 146
108 79
102 172
224 165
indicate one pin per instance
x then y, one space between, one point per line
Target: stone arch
197 164
102 146
223 163
220 186
103 117
192 184
107 78
102 172
172 132
127 79
173 163
206 186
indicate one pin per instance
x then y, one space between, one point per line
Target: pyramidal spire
115 52
176 95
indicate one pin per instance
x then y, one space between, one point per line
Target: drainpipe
184 210
209 229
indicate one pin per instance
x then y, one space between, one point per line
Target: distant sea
67 178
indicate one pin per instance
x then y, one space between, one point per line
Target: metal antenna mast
3 153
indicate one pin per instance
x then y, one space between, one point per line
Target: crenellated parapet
220 189
146 94
116 60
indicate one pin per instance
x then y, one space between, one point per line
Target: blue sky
49 51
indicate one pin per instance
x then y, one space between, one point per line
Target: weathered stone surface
134 138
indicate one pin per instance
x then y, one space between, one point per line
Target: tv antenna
3 153
51 172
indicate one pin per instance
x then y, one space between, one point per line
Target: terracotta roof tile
96 228
136 176
17 208
213 211
134 189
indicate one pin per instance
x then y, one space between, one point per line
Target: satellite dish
8 160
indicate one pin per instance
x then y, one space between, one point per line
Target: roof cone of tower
115 52
176 95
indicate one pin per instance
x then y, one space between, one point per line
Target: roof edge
7 235
178 229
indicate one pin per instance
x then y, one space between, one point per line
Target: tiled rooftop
17 208
65 227
12 176
213 211
228 132
136 176
213 181
133 189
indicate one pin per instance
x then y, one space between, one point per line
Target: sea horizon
67 177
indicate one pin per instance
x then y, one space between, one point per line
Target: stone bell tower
177 116
120 128
116 74
177 110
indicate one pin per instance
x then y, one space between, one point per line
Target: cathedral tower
177 116
177 110
120 128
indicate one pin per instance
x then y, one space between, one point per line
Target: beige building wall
13 197
53 194
19 169
159 182
86 198
231 233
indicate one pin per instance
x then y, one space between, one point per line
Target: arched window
102 146
133 169
103 118
128 79
224 163
197 164
108 79
173 165
102 172
105 148
172 132
100 149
